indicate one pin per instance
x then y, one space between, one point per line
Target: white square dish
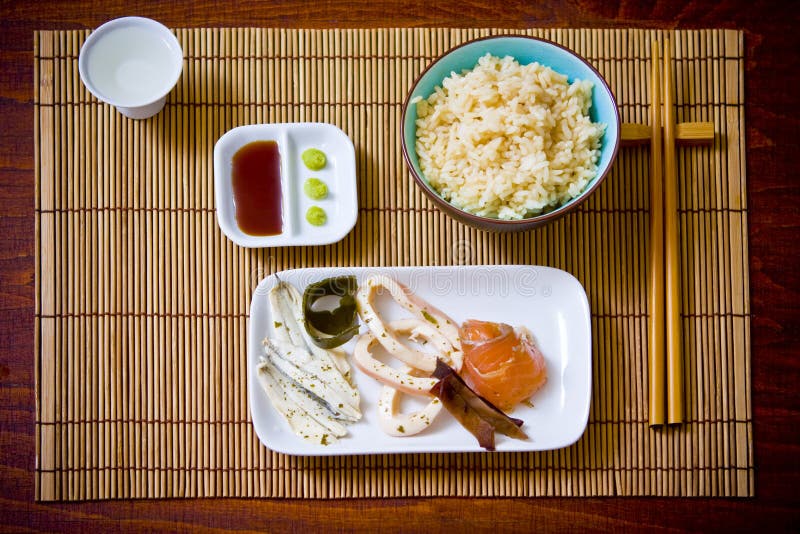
549 302
339 173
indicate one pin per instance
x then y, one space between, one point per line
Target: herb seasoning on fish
308 385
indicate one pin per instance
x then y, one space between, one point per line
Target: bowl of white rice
508 133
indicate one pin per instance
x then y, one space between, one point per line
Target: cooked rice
506 140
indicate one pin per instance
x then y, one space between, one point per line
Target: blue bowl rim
538 219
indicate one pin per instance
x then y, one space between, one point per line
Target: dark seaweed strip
479 416
331 328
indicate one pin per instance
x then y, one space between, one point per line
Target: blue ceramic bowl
525 50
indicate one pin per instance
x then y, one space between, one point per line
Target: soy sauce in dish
256 176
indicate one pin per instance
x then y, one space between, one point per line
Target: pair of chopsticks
664 320
664 323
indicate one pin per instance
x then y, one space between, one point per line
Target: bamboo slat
142 303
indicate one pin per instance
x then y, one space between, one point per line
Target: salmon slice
501 363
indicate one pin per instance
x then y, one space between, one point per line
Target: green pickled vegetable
314 159
316 216
331 328
315 189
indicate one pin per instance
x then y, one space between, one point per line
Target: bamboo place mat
142 302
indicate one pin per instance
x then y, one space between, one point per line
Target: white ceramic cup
131 63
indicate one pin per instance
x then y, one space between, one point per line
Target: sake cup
131 63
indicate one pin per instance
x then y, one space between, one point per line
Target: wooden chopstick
655 288
671 251
686 133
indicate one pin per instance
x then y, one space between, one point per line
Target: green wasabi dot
316 216
314 159
315 189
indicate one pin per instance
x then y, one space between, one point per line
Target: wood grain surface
772 69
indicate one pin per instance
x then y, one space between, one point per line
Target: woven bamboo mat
142 303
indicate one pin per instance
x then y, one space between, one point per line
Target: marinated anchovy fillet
294 393
294 363
298 419
306 384
287 310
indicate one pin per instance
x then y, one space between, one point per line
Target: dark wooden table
772 39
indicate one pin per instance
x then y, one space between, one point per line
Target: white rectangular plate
550 303
339 173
